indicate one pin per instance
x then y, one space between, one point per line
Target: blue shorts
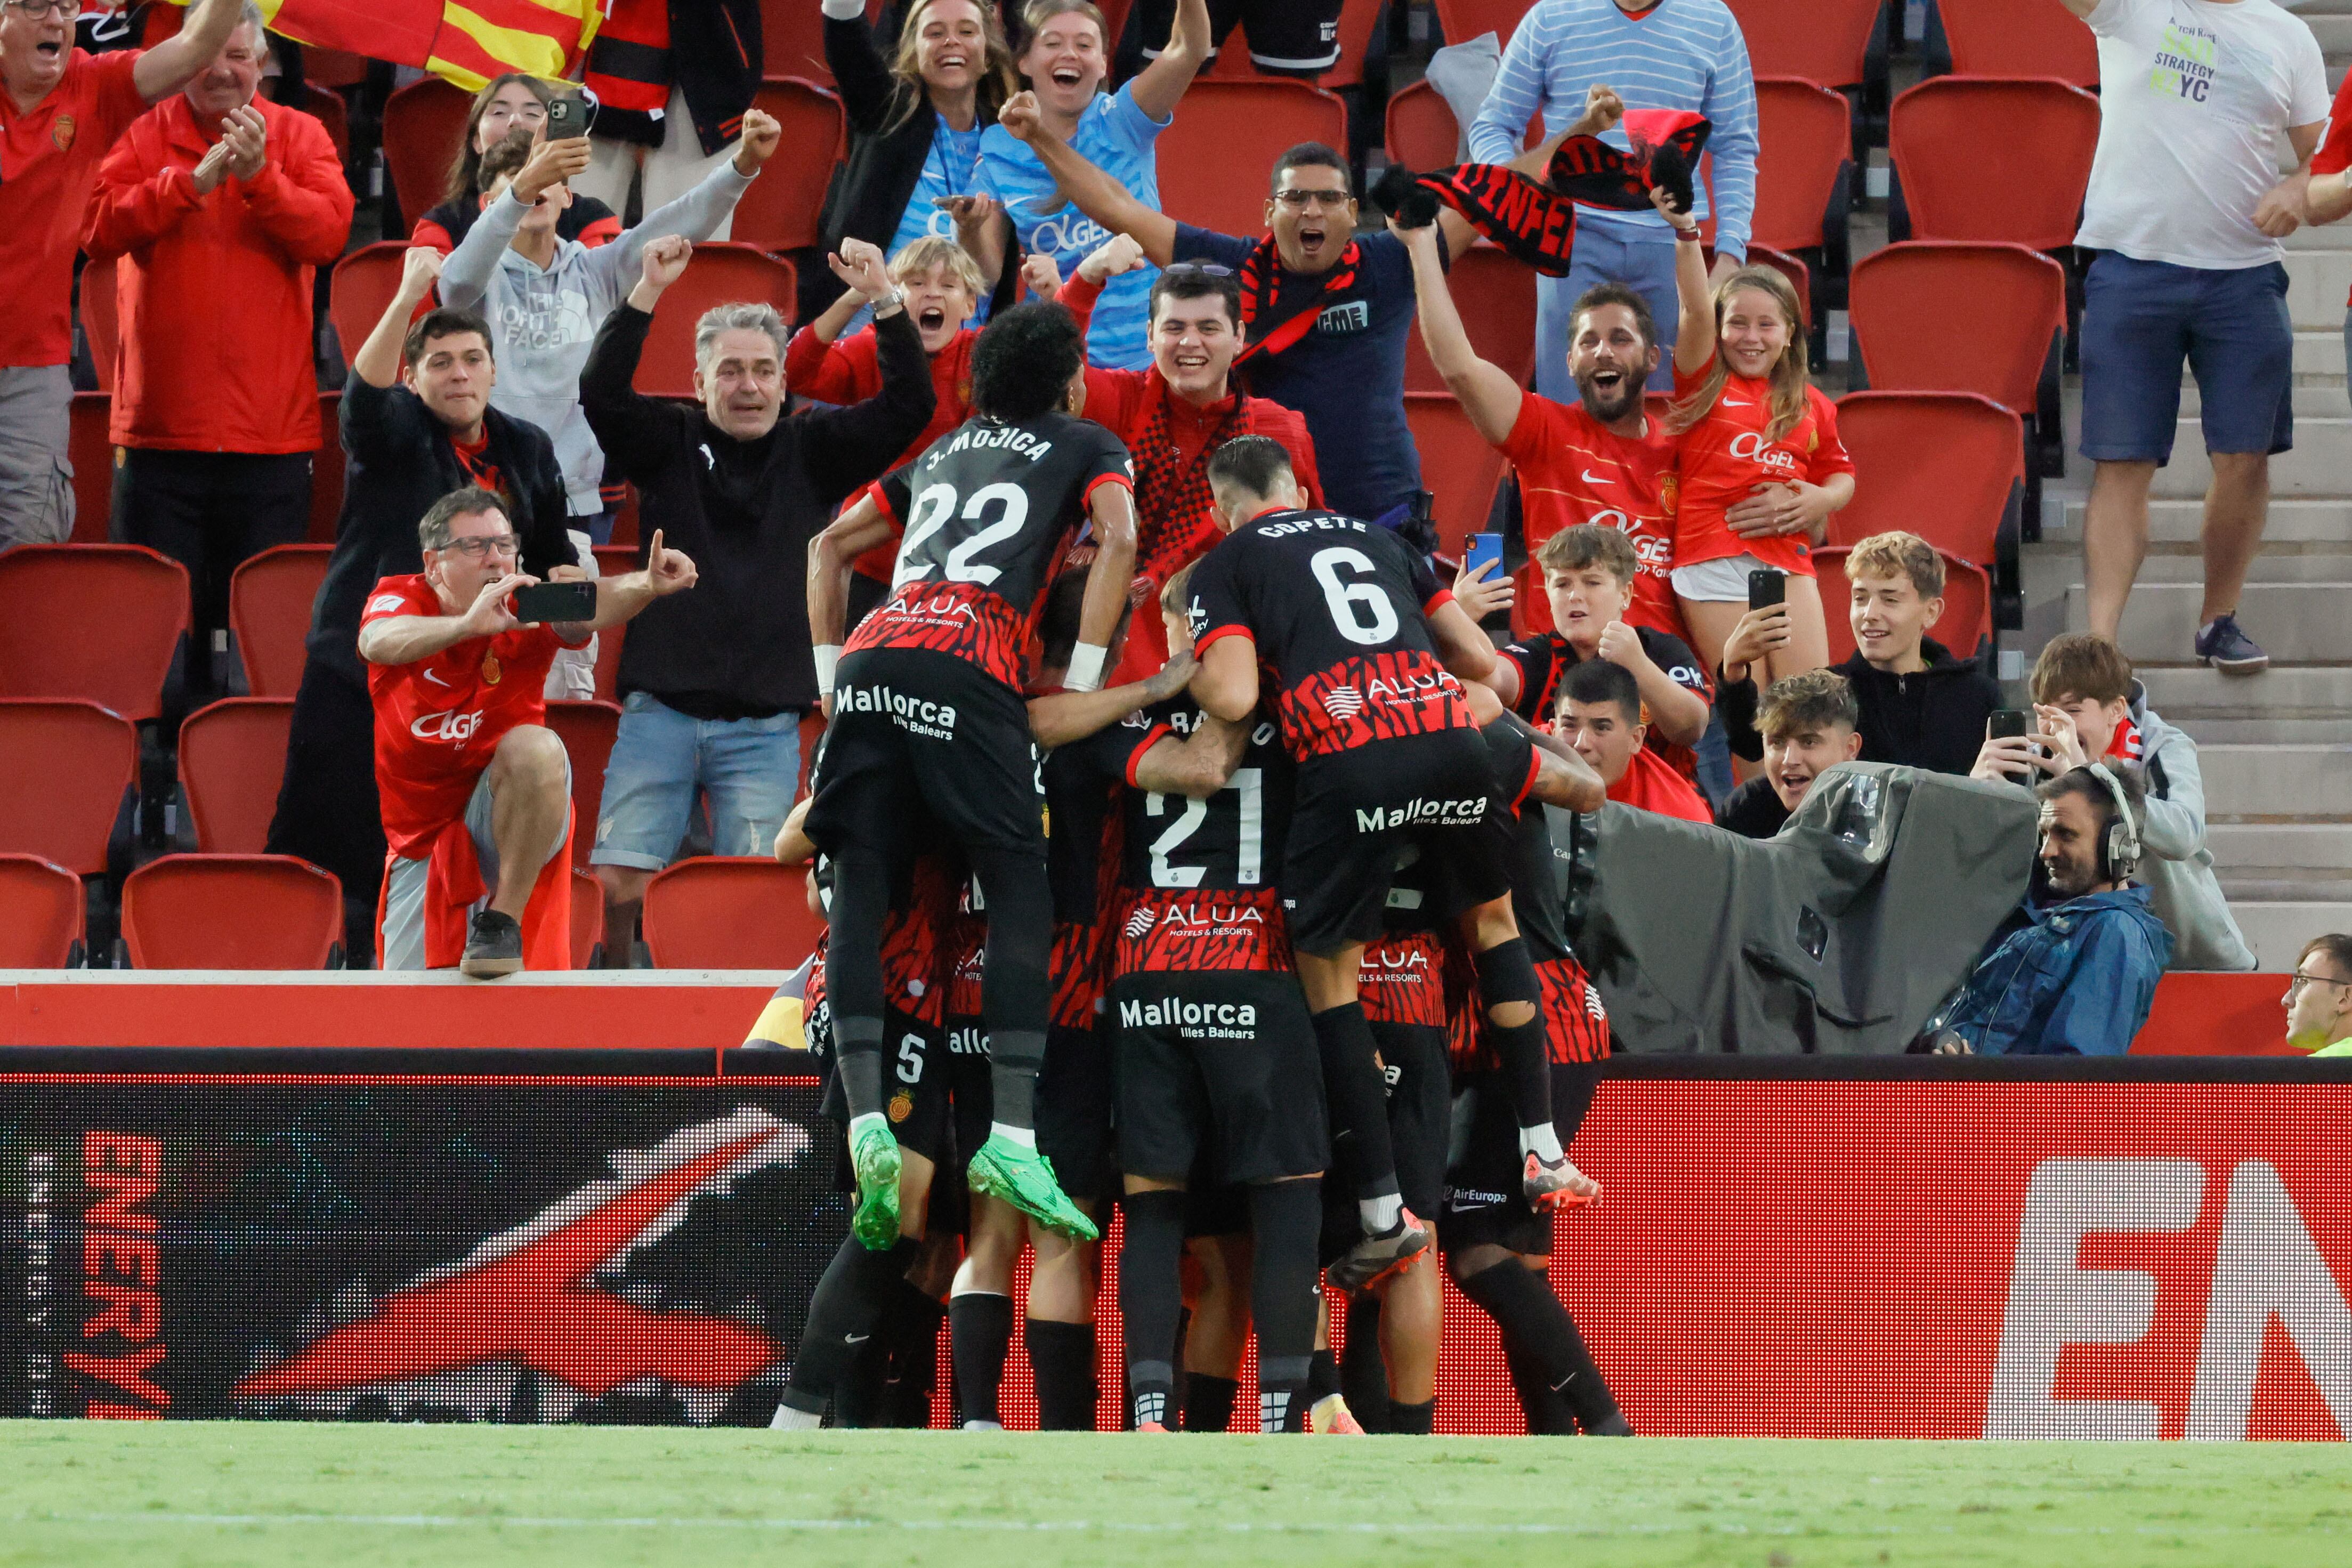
2141 317
749 769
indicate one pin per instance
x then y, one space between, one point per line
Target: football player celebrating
929 725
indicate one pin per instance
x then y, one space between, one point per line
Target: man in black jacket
712 690
416 425
1920 707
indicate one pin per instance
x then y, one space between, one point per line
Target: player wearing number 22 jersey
930 735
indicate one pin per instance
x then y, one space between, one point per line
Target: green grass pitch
93 1493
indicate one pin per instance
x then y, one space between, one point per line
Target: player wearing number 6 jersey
1369 655
931 733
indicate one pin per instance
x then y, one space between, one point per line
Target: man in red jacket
221 205
63 109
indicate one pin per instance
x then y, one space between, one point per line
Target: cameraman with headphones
2078 976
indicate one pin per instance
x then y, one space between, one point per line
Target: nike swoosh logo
855 1339
438 681
1593 478
1737 402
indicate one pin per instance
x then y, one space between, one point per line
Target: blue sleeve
1731 106
1518 93
1207 245
1124 119
2108 996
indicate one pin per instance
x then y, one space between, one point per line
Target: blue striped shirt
1680 54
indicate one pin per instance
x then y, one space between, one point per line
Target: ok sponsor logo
457 729
1751 445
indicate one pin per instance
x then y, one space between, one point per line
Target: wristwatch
890 304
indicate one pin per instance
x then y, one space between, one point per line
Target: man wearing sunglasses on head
64 108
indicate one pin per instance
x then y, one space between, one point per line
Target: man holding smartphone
477 790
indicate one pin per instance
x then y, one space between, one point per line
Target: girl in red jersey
1760 467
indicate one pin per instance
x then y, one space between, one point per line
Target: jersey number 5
1360 610
930 513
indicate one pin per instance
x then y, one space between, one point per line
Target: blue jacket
2076 979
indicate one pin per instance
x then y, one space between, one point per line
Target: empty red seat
41 915
363 285
1457 466
612 560
1216 159
587 730
270 600
587 918
1947 466
424 125
2012 38
1965 621
1495 294
1462 20
1987 158
1421 130
64 767
1827 41
232 759
232 911
327 106
1805 139
1944 316
730 913
719 274
90 446
1800 276
98 621
782 209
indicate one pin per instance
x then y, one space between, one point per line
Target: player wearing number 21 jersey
1369 655
931 733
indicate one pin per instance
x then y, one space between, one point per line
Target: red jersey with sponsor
48 163
440 720
1339 610
1649 784
1728 454
1576 1024
1573 470
986 511
1402 979
1082 864
917 955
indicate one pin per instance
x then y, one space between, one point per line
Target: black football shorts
1216 1062
1287 37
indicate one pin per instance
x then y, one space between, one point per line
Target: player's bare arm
1225 686
1197 766
1461 647
844 540
1112 509
1058 718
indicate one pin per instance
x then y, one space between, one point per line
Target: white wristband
1086 671
827 656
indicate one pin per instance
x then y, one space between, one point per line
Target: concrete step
2296 622
2318 848
2293 520
2334 30
2191 694
2254 729
2316 397
2277 931
2276 783
2278 563
2320 465
2319 356
2318 283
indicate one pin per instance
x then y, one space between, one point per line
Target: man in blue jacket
2077 979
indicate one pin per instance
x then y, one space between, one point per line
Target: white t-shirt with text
2195 97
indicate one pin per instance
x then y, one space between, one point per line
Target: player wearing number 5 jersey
931 733
1369 655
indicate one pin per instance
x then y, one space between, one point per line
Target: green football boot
1022 1177
874 1155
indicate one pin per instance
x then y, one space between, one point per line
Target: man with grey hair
713 684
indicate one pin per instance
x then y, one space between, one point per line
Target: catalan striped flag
466 43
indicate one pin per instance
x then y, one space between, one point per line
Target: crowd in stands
1675 473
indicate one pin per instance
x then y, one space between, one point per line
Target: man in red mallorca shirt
60 110
1174 415
477 790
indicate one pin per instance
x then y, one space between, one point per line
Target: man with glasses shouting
417 424
65 108
2318 1000
477 789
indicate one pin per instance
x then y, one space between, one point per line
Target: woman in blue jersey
1065 60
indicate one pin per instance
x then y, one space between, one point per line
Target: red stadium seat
270 600
1356 19
1421 130
1457 466
2012 38
1495 294
90 449
719 274
64 767
363 284
792 39
424 125
611 561
1215 160
1827 41
42 911
99 622
328 107
1942 316
327 470
587 918
233 912
730 913
1805 133
1462 20
232 757
1947 466
587 730
100 316
782 209
1800 276
1967 620
1980 158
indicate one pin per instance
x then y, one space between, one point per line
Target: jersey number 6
1360 610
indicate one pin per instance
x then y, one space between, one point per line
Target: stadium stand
423 123
1955 181
91 451
99 622
1495 293
65 768
729 913
42 911
1462 20
269 599
1457 466
2010 37
365 282
792 39
1226 135
719 273
1804 178
587 730
1965 621
611 561
1838 43
327 470
587 921
1947 465
100 319
232 911
232 755
1420 132
783 208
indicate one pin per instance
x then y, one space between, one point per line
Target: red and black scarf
1174 508
1262 279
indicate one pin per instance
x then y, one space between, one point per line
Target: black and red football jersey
986 513
1082 859
1339 610
916 967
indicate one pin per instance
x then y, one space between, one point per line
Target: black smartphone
1766 588
2008 723
559 602
568 114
